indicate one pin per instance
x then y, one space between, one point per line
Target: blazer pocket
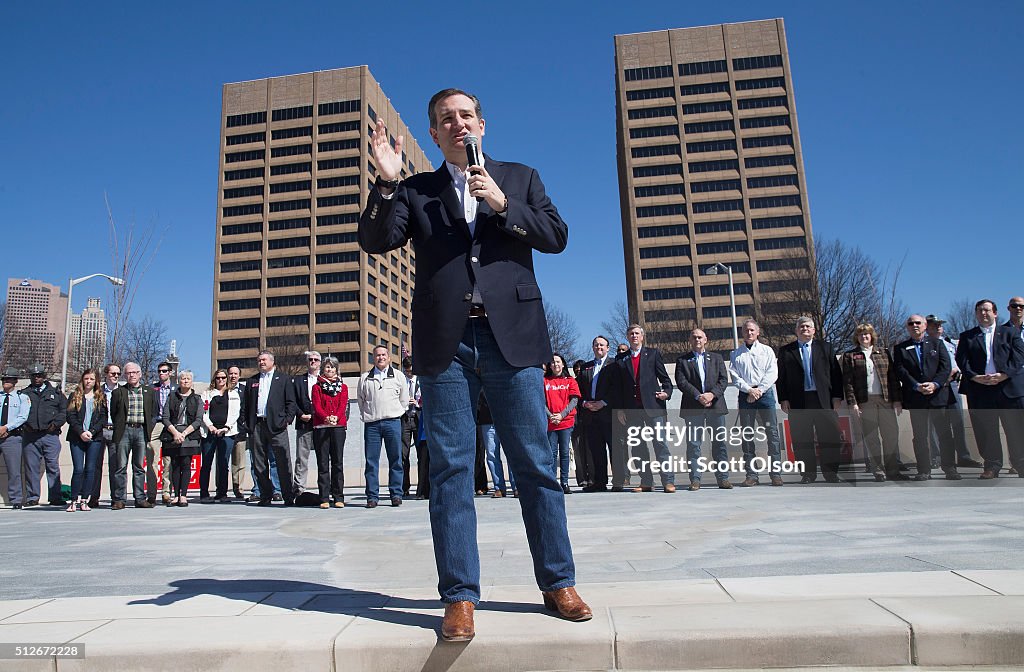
530 292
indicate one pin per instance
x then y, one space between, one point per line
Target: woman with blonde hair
873 393
87 413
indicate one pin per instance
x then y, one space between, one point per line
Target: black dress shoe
595 488
973 464
396 501
897 477
277 497
371 503
808 479
264 502
94 503
32 502
922 477
831 478
566 490
953 475
15 506
206 500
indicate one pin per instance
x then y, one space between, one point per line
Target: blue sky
909 115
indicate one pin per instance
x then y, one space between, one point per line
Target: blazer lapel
450 199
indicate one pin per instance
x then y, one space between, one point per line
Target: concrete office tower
34 324
295 170
88 343
710 170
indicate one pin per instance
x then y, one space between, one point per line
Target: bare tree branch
617 323
563 333
960 317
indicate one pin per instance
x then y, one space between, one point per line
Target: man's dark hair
446 93
603 338
164 363
407 363
984 301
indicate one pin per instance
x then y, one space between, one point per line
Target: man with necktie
14 408
599 385
991 359
702 378
810 387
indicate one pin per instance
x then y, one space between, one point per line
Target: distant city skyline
122 101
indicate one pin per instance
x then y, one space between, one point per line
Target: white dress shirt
264 393
989 333
755 366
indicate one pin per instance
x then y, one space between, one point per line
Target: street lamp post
67 325
715 270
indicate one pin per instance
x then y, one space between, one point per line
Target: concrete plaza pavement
877 575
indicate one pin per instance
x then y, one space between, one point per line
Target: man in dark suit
991 359
304 419
644 388
269 409
702 378
810 387
922 366
599 384
478 322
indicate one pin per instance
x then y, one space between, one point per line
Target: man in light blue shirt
14 408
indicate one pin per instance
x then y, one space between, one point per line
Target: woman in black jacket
87 413
182 417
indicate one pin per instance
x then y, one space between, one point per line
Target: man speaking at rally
478 325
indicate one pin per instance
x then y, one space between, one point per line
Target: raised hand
387 158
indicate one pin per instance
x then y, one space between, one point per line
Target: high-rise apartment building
88 342
295 171
34 324
710 170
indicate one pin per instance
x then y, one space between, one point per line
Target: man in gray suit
702 378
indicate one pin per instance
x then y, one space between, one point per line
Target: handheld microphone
472 145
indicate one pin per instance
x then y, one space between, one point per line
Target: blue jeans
559 441
763 411
516 399
273 475
714 424
492 444
216 451
389 431
85 456
131 446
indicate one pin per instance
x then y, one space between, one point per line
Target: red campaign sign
193 483
845 436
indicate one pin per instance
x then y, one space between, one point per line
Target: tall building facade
710 171
34 324
88 342
295 172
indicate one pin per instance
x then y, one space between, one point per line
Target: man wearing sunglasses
304 419
164 388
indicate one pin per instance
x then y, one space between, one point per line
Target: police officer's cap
10 372
37 370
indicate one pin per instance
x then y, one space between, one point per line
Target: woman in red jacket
330 418
561 394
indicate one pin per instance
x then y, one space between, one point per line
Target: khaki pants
238 461
154 448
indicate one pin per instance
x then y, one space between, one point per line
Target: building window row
701 89
291 168
241 210
238 343
658 171
795 242
786 264
667 293
726 226
662 272
337 145
726 247
759 103
246 119
337 277
761 83
286 113
765 122
240 266
239 304
336 238
757 62
713 166
244 174
723 290
331 164
662 231
656 150
245 139
772 181
236 325
653 131
337 258
651 72
768 141
710 146
658 190
239 285
342 199
338 127
338 337
242 192
704 108
300 320
333 220
714 185
712 312
339 181
652 112
284 206
291 150
789 200
285 133
770 161
702 68
288 281
661 210
289 262
709 126
285 187
664 251
290 300
241 229
337 297
251 155
289 224
339 316
670 314
651 94
718 206
340 107
288 243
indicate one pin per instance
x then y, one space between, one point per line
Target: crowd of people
168 423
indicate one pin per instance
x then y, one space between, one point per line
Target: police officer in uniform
41 436
14 407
